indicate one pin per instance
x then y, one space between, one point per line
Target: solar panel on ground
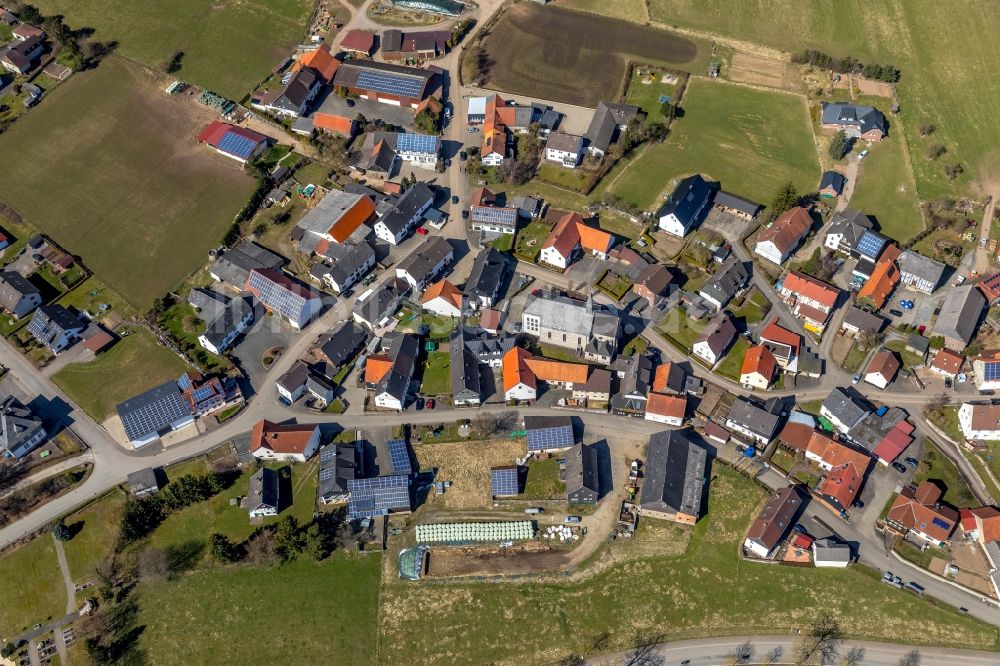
377 496
399 456
391 84
870 244
503 481
416 143
560 437
234 144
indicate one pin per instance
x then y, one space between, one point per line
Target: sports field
228 46
706 590
750 140
585 69
946 51
110 168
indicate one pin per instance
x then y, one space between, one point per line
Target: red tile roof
786 231
842 483
666 405
445 290
516 370
885 364
660 378
834 454
883 280
759 360
490 319
894 442
377 367
947 361
918 509
990 286
796 435
213 132
358 40
773 332
987 521
321 61
288 439
331 122
809 287
362 211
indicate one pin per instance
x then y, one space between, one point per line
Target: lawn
855 357
885 191
95 529
125 186
614 285
558 353
910 360
529 240
704 591
941 244
943 54
731 365
583 70
681 328
327 610
750 140
571 179
946 420
628 10
95 297
198 521
753 308
228 46
135 364
31 587
185 325
645 91
616 223
543 480
437 374
934 465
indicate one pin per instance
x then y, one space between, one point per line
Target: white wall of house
733 425
756 547
833 241
703 351
552 257
307 453
672 225
876 379
754 379
562 157
290 394
965 424
443 307
520 392
492 159
263 510
770 251
388 401
309 310
837 423
662 418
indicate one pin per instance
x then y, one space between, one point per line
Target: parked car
422 231
573 519
473 129
887 577
947 382
895 313
912 462
959 280
800 528
858 504
419 404
454 198
465 214
899 467
463 156
863 155
430 403
856 378
447 163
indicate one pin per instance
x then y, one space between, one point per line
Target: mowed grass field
946 51
135 364
112 170
886 191
228 45
752 141
31 587
587 68
706 590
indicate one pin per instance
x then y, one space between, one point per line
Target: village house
883 279
582 475
229 323
232 267
571 236
483 285
959 316
18 296
919 272
338 465
361 42
783 344
21 430
426 262
442 298
284 296
395 85
349 264
831 184
375 307
55 327
948 364
759 369
673 478
589 329
263 492
420 45
728 281
864 122
684 207
610 119
564 149
842 410
758 422
715 340
857 320
284 442
774 521
635 376
390 372
522 372
777 242
809 299
979 421
653 283
293 98
399 221
237 143
668 409
919 512
882 369
845 230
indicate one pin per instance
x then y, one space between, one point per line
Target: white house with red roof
810 299
442 298
667 409
238 143
784 344
571 235
777 242
288 442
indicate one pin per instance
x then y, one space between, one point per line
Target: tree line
848 65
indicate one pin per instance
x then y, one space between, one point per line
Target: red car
921 329
430 403
421 231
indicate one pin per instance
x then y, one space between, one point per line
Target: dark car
858 504
800 528
912 462
899 468
419 404
454 198
447 163
350 102
465 214
895 313
463 156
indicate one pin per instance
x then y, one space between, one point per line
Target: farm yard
583 70
699 591
751 140
228 46
943 55
125 185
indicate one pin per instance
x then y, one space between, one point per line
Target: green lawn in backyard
614 285
228 47
530 237
680 327
95 297
751 140
753 308
543 480
437 374
939 244
126 186
636 345
558 353
504 243
31 587
946 419
185 325
616 223
705 591
855 357
733 363
438 326
198 521
943 55
135 364
572 179
885 191
327 610
935 466
910 360
645 91
95 529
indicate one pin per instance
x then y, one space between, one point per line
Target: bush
61 532
838 146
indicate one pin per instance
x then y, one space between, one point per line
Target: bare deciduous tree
262 547
153 564
645 652
854 656
774 654
911 658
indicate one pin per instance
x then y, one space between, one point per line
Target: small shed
143 482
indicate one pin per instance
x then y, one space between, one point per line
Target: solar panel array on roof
153 411
399 456
560 437
234 144
286 303
391 84
507 216
377 496
203 393
184 382
991 372
870 245
416 143
940 523
503 481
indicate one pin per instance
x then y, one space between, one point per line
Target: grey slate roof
14 287
607 118
687 199
831 550
674 474
737 203
922 267
338 464
960 313
465 378
347 258
381 301
486 276
832 179
340 345
143 481
225 321
406 208
17 424
561 313
864 320
844 408
209 301
851 224
755 418
729 279
718 334
570 143
581 474
863 117
485 346
234 266
421 262
263 489
402 349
